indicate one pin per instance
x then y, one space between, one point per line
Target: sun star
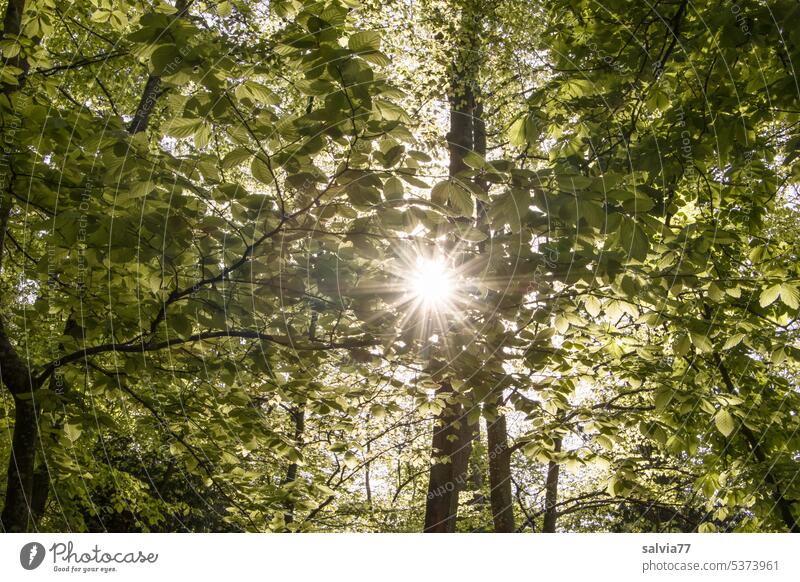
432 283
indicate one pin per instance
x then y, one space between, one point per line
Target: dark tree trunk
459 138
147 103
367 484
451 447
17 510
152 88
40 491
500 474
551 493
16 377
299 418
476 473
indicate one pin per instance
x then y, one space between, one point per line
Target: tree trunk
551 493
476 473
367 484
16 377
141 118
40 490
451 447
152 88
299 418
17 510
500 473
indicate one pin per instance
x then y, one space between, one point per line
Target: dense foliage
441 265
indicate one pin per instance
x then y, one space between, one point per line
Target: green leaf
183 127
516 132
256 92
790 295
523 131
724 422
592 305
350 460
165 59
471 234
440 193
682 344
701 342
393 189
367 40
235 157
769 295
662 399
573 182
260 171
461 200
604 442
474 160
733 341
72 432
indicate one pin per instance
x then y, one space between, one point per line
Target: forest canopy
400 266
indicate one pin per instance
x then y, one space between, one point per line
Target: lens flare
431 282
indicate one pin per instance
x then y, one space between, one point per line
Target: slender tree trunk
17 510
476 474
367 484
500 498
551 493
299 418
16 377
141 118
298 414
41 474
451 447
152 88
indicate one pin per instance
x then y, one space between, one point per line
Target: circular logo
31 555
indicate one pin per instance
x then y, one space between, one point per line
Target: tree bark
500 498
551 493
459 138
40 490
298 415
16 514
451 446
16 377
152 88
147 103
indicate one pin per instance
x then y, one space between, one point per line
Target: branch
134 347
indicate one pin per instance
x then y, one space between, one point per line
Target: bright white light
431 282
